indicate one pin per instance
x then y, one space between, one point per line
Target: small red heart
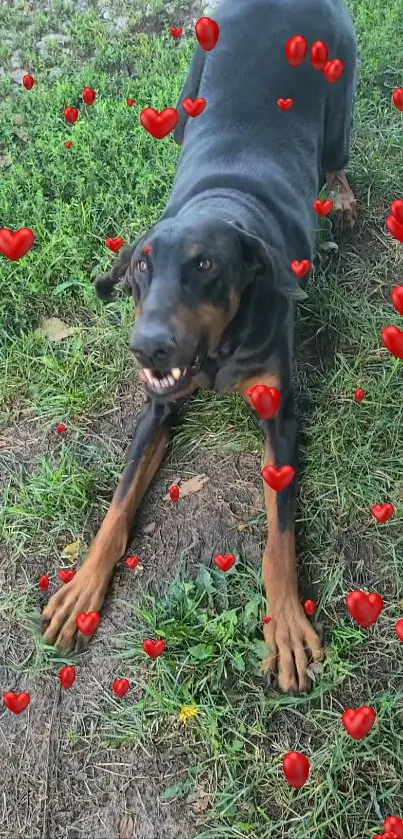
71 114
159 123
296 769
66 575
395 228
267 619
89 95
278 478
67 144
359 394
319 55
364 608
399 629
154 648
67 676
310 607
333 70
60 428
224 561
28 81
147 249
322 208
16 702
176 31
296 49
15 245
194 107
395 825
396 208
120 687
130 102
265 400
88 622
132 561
207 32
392 338
387 835
174 492
43 582
114 244
358 722
285 104
300 267
397 97
382 512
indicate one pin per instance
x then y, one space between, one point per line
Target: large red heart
154 648
176 31
394 824
159 123
16 702
66 575
399 630
15 245
396 208
382 512
114 244
278 478
322 208
285 104
88 622
207 32
120 687
397 97
296 769
265 400
296 49
67 676
387 835
395 228
319 55
397 298
28 81
89 95
358 722
300 267
364 608
333 70
224 561
392 338
71 114
194 107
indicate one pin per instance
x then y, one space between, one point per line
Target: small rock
2 72
56 36
55 73
120 23
17 75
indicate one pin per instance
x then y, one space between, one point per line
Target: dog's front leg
289 635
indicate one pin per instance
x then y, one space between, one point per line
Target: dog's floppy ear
259 258
105 284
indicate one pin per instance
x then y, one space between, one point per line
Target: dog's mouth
169 382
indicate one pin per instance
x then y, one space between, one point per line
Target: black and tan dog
212 283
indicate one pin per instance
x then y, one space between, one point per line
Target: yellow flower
186 713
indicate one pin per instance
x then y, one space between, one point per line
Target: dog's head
187 278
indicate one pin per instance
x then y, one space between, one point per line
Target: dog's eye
204 264
141 266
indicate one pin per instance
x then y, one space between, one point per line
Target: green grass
114 181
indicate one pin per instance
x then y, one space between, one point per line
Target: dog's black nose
153 345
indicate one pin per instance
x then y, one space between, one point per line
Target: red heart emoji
399 629
278 478
28 81
114 244
310 607
296 49
387 835
300 267
392 338
15 245
88 622
132 561
285 104
224 561
194 107
147 249
396 208
68 144
296 769
359 394
395 825
66 574
174 492
364 608
130 102
333 70
319 55
397 97
395 228
16 702
120 687
71 114
154 648
67 676
207 32
159 123
267 619
43 582
322 208
265 400
89 95
358 722
176 31
382 512
60 428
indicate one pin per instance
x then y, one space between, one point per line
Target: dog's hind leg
189 90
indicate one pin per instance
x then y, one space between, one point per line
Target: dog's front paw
293 645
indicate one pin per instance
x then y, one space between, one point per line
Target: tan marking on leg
268 379
344 200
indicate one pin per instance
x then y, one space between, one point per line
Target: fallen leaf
138 570
201 804
21 134
72 550
194 484
56 329
5 161
126 827
241 526
17 119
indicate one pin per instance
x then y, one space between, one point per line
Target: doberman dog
212 282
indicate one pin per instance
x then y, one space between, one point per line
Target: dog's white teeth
176 373
147 374
171 380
